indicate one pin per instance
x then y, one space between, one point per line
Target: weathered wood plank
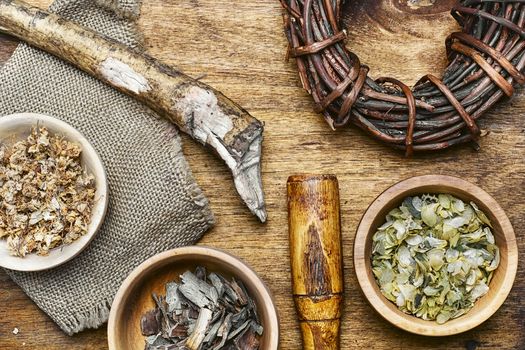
240 47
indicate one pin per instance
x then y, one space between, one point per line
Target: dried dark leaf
241 295
198 291
200 273
173 298
150 322
247 341
239 329
223 331
217 283
212 333
202 312
240 317
178 331
230 293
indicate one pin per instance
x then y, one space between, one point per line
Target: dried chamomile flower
46 197
434 256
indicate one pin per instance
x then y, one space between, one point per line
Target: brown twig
486 62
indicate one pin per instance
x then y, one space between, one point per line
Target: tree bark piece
199 110
316 258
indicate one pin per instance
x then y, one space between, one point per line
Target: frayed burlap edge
99 315
122 8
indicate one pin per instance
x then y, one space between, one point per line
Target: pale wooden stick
199 110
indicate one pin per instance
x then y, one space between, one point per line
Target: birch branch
197 109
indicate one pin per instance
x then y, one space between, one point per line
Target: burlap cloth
155 203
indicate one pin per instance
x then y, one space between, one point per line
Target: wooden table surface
239 45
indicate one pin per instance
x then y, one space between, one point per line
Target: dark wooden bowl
502 280
134 296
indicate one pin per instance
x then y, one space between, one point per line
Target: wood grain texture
240 46
314 227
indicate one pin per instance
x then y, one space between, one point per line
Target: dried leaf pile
435 256
203 311
46 198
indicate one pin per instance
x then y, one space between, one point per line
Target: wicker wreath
486 60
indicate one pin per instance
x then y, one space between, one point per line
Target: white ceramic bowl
17 127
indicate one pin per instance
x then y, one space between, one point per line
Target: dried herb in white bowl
46 197
434 256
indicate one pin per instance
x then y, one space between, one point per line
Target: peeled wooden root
316 258
202 112
199 332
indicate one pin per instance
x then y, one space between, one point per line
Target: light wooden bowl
134 296
16 127
504 275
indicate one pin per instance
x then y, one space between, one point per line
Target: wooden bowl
503 277
16 127
134 296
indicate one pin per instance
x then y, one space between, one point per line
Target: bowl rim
100 209
204 251
397 317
